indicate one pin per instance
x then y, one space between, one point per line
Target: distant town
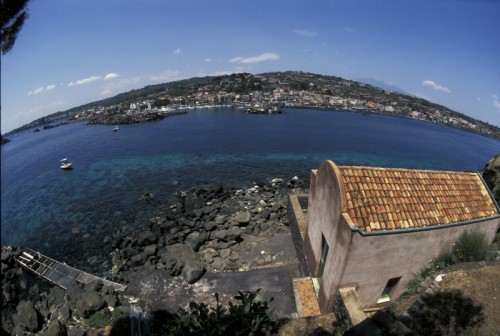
264 93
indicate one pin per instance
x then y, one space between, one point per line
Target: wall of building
373 260
325 217
298 226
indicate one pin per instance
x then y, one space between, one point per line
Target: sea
68 213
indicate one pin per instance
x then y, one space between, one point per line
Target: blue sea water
41 204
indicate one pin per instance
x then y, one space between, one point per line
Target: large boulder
195 239
56 328
27 317
139 259
220 234
242 218
233 233
181 259
193 270
90 302
173 257
147 237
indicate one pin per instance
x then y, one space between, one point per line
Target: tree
12 19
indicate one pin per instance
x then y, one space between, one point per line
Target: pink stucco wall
373 260
325 217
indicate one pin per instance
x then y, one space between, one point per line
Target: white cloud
39 90
176 51
42 89
166 76
208 59
120 84
435 86
348 30
494 96
84 81
305 33
111 75
268 56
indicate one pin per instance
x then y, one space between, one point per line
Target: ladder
59 273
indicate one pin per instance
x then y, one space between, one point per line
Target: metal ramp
59 273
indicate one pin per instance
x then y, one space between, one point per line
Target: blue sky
71 52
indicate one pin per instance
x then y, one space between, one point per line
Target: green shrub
251 316
104 317
471 246
413 283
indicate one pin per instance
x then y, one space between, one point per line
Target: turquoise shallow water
40 203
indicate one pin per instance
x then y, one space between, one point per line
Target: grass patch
104 317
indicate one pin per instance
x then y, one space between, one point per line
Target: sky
72 52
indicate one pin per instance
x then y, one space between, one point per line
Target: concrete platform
305 297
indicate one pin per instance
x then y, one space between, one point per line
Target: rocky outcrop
491 175
133 118
209 229
205 230
27 318
33 306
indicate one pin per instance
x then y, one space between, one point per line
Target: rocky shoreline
211 229
120 119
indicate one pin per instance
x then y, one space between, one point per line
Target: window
324 254
386 294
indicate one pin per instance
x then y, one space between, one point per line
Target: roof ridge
407 169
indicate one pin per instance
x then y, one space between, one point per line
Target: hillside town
265 93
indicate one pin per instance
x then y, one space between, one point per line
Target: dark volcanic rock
181 259
139 259
56 328
76 331
242 217
90 302
173 258
195 239
27 316
193 270
146 238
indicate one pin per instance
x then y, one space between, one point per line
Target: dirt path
483 286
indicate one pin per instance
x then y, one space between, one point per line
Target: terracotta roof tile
391 198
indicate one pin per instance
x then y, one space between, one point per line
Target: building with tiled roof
373 228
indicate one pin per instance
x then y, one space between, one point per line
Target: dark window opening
324 255
389 288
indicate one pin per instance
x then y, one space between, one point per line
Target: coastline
122 119
218 232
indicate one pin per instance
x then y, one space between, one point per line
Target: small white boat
115 128
66 165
